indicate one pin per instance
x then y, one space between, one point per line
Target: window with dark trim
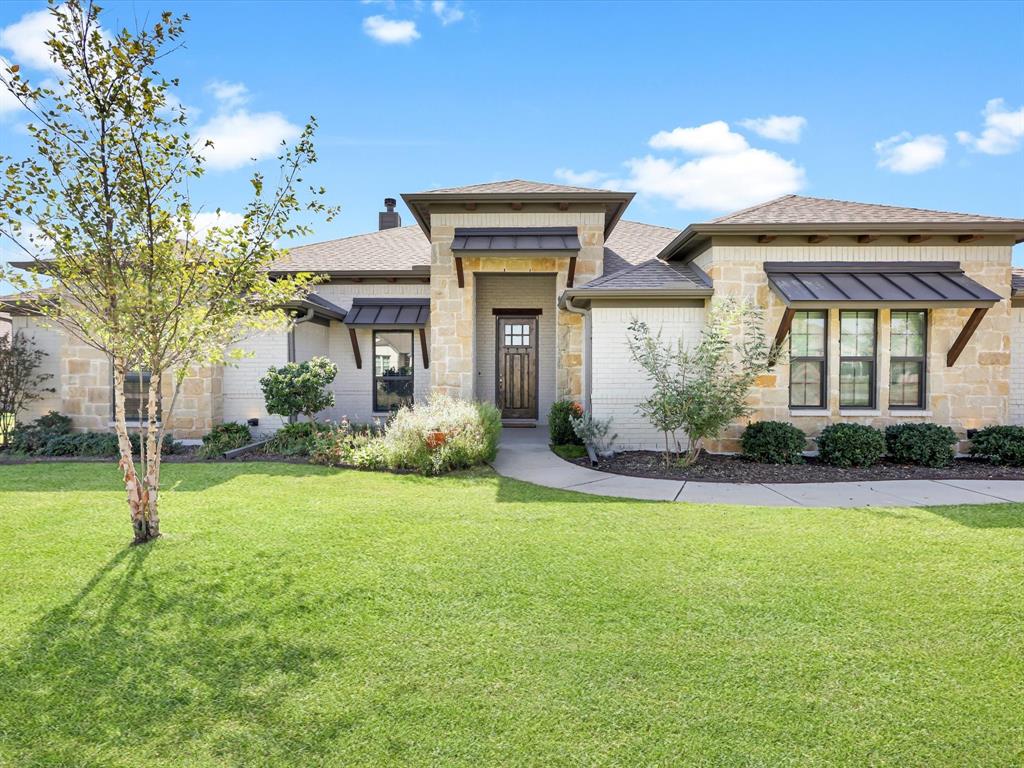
857 358
908 349
136 396
392 370
808 359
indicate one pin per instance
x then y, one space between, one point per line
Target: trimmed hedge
773 442
851 445
1000 445
560 422
928 445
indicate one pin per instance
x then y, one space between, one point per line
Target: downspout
291 344
568 306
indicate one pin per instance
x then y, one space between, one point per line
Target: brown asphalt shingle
652 274
796 209
512 187
1017 282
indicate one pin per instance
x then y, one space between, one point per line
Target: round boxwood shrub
851 445
928 445
1000 445
773 442
560 422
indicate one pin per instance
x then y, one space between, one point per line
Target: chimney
389 218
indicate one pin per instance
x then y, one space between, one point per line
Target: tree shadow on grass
1005 515
142 662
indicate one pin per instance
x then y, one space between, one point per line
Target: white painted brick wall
618 382
1017 366
243 398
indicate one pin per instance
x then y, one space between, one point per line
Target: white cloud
709 139
229 95
8 104
1003 132
581 178
26 40
904 153
777 127
204 222
389 31
446 13
242 137
719 182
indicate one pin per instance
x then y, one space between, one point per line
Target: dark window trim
873 401
517 312
412 357
823 359
922 390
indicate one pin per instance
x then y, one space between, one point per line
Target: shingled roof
653 278
513 187
1017 283
797 209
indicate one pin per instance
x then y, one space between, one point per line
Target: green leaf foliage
1000 445
299 388
851 445
929 445
773 442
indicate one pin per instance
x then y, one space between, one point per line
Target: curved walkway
524 455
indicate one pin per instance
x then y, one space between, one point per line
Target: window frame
873 359
822 359
922 390
139 379
412 368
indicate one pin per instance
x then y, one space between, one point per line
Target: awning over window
516 239
389 313
896 284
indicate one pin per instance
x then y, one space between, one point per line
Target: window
392 370
857 359
136 396
908 334
807 367
517 335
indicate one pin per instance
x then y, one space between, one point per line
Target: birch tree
106 189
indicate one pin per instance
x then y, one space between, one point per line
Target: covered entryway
516 346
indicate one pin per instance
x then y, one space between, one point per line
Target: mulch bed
735 469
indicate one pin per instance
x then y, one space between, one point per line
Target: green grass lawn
298 616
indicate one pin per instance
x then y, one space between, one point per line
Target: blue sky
918 104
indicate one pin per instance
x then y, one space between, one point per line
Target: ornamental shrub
1000 445
32 438
594 432
94 444
225 437
438 436
299 388
295 439
929 445
560 422
851 445
774 442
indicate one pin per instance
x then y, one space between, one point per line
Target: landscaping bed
712 468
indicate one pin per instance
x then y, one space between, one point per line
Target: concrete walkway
524 455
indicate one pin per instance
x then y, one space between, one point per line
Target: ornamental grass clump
438 436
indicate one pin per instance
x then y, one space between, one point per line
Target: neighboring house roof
517 191
876 283
814 216
396 250
650 279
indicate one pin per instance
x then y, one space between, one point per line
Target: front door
517 367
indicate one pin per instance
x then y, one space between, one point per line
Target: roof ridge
755 207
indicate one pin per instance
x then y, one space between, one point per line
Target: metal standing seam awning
872 285
390 313
557 240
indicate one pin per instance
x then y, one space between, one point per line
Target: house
520 293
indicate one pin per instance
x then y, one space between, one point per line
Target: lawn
298 616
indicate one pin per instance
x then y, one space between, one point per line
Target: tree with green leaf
702 388
102 206
21 380
299 388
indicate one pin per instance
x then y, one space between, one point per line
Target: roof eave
633 293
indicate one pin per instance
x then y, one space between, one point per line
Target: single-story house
520 293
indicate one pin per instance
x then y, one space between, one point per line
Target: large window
907 369
808 350
392 370
857 359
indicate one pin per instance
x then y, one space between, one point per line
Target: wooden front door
516 378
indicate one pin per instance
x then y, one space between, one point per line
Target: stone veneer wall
452 309
1017 366
973 393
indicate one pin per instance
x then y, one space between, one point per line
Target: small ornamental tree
299 388
703 388
20 380
106 191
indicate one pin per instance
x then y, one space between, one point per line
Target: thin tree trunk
152 465
133 488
